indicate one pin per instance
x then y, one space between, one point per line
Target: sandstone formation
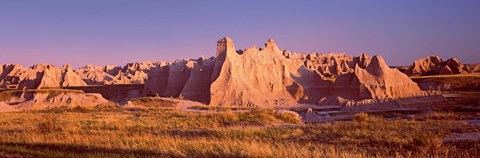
38 76
11 74
47 75
260 77
476 68
334 64
269 76
434 65
53 98
70 78
132 73
377 81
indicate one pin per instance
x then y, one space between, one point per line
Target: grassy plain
162 131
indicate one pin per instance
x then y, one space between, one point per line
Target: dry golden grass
167 132
153 102
52 92
457 82
219 108
444 76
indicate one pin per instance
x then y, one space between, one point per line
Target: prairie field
168 132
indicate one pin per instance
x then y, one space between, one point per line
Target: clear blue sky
104 32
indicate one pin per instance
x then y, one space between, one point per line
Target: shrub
361 117
49 125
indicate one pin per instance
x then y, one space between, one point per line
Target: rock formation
332 64
377 81
476 68
257 77
261 77
11 74
70 78
33 100
132 73
47 75
434 65
269 77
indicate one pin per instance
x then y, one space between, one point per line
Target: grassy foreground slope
168 132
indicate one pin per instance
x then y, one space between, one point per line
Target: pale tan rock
197 88
434 65
377 81
94 75
68 99
47 75
11 74
333 64
112 69
41 75
267 77
261 77
131 73
70 78
258 77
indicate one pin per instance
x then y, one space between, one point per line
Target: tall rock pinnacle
271 46
223 45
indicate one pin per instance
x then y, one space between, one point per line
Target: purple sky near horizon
116 32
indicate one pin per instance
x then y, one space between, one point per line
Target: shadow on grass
68 150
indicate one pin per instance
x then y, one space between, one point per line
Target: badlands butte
254 77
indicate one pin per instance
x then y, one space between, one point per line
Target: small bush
49 125
288 117
361 117
426 141
108 105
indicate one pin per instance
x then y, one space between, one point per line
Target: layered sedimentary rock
376 81
269 76
197 86
257 77
476 68
264 77
11 74
189 79
434 65
332 64
95 74
132 73
47 75
32 100
70 78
